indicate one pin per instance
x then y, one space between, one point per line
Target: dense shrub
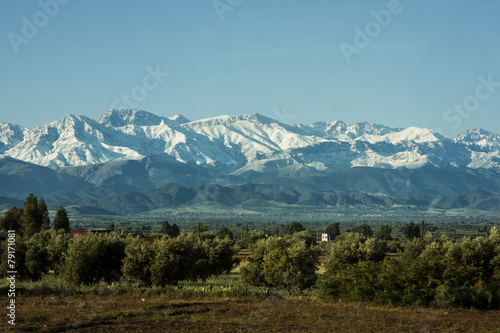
187 257
56 242
287 262
351 248
137 261
249 238
435 272
31 259
94 258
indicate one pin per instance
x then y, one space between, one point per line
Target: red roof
79 232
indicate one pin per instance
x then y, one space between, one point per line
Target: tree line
33 217
424 271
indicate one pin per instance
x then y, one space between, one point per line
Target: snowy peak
179 119
120 118
367 128
476 135
415 134
255 118
133 117
480 138
10 135
244 143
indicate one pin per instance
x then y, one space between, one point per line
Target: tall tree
333 229
44 214
294 227
175 231
384 233
31 221
411 230
166 229
364 230
12 219
225 232
61 221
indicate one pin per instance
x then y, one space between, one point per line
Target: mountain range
133 161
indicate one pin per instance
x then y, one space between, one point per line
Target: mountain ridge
129 155
240 142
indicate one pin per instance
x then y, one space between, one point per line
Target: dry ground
143 312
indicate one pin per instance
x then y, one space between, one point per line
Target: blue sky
430 63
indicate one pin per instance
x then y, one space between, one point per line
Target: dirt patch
158 313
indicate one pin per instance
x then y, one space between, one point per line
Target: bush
137 261
249 238
94 258
31 259
56 242
281 262
351 248
435 272
189 258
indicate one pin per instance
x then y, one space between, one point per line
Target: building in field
327 237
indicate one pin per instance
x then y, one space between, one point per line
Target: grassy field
168 312
220 305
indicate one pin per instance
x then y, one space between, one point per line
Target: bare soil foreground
149 312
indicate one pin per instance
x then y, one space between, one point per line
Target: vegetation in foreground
359 266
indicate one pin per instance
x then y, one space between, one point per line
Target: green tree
305 236
187 257
31 259
175 231
225 232
280 262
200 228
37 260
351 248
249 238
137 262
166 228
294 227
384 233
411 230
365 230
11 220
333 229
94 258
44 214
56 242
111 227
61 220
31 221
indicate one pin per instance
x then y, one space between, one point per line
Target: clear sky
398 63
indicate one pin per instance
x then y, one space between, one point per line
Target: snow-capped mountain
247 143
10 136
